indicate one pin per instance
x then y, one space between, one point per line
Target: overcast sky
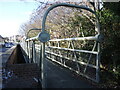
13 13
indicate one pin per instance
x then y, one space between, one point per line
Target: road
2 50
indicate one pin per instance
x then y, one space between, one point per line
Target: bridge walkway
60 77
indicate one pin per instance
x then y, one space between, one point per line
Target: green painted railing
44 37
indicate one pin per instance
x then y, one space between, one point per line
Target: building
1 40
15 38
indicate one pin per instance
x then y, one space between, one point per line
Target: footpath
60 77
3 58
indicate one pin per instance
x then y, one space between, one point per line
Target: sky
13 13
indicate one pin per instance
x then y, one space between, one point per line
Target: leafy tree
110 24
113 6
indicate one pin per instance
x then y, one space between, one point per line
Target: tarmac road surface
59 77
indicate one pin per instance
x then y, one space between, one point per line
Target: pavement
4 55
60 77
2 50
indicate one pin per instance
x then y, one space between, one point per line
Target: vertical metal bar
43 66
98 64
61 61
75 57
58 43
59 52
69 44
90 57
40 62
27 51
32 54
33 51
49 43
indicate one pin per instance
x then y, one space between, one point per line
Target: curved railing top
97 27
27 39
31 30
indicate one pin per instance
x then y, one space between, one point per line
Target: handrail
78 38
31 39
31 30
69 5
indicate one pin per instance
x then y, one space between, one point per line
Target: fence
83 62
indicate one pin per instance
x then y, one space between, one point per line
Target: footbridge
61 62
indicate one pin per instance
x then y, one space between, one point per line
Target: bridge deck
59 77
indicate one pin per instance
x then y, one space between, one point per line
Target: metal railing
42 48
72 59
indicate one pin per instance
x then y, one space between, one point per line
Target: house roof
1 37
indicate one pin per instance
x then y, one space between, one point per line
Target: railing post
43 64
29 53
27 50
98 64
33 52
